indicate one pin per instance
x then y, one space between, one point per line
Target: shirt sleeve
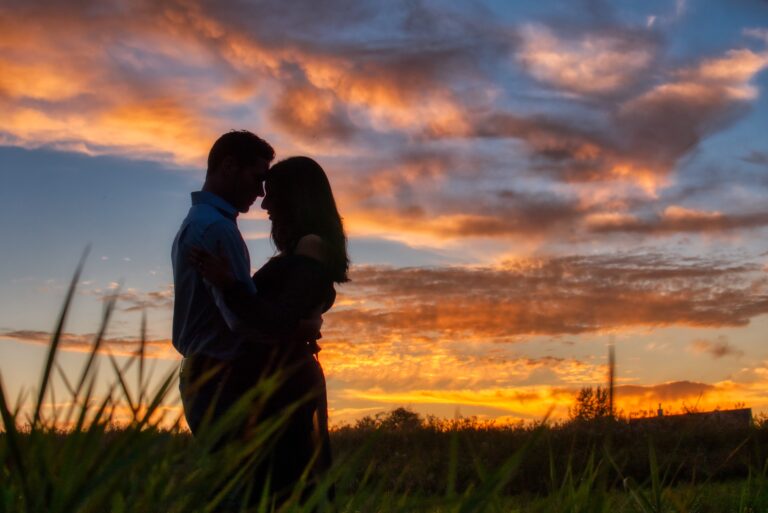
306 288
223 238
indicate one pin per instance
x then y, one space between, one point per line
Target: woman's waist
280 347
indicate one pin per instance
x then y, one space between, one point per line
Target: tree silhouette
591 403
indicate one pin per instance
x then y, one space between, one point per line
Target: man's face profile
248 184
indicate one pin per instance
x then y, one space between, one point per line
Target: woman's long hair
301 187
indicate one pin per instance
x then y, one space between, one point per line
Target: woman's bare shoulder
313 246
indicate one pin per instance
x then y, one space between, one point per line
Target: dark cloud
713 184
645 138
641 138
432 191
756 157
715 348
559 147
302 20
420 48
674 391
670 121
514 212
687 222
435 189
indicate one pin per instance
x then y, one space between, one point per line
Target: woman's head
300 202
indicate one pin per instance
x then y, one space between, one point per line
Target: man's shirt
202 323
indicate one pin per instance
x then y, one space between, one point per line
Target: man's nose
260 190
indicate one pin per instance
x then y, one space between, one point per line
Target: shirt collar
209 198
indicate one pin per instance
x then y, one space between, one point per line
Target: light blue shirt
202 323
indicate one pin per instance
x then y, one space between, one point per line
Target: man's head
237 164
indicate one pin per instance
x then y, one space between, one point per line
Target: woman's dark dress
290 288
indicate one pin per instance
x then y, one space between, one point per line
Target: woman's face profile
276 205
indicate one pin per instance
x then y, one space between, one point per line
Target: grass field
425 467
396 462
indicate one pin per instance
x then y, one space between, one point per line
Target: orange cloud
592 63
568 295
149 89
733 72
83 343
39 82
162 126
399 363
312 113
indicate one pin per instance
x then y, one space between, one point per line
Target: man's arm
280 315
223 238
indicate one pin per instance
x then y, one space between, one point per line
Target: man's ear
227 168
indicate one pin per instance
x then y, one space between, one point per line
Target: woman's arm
304 291
313 246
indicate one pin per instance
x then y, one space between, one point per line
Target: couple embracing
236 330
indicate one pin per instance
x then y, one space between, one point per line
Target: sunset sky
523 184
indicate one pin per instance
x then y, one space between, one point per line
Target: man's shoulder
205 212
207 216
204 225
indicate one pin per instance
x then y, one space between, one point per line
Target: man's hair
244 147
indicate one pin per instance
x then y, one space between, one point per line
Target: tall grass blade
656 489
493 484
56 338
124 386
55 415
611 379
85 407
453 465
158 398
13 444
141 354
65 380
109 307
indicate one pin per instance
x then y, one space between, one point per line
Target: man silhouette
205 331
